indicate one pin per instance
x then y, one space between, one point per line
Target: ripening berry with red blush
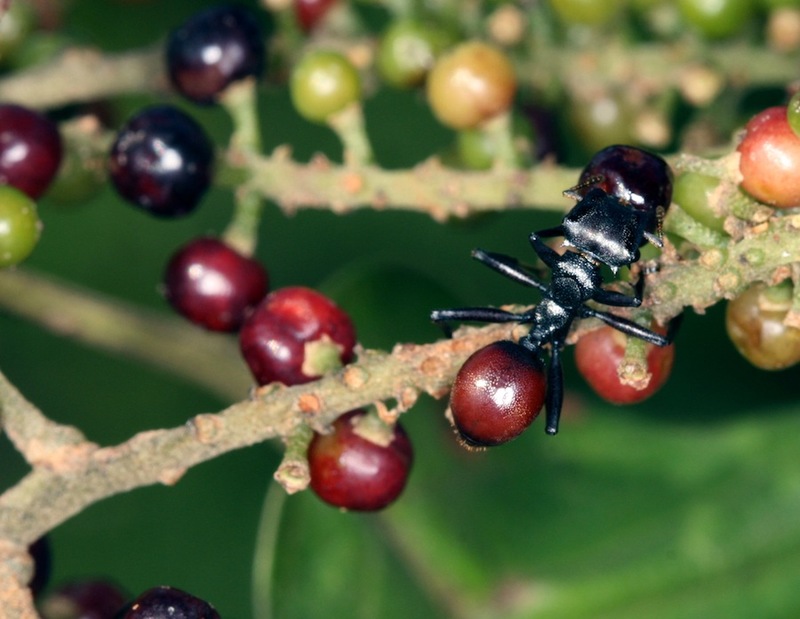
770 159
599 355
213 285
295 335
362 465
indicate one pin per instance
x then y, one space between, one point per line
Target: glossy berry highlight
213 49
168 603
161 161
213 285
30 149
497 394
362 465
295 335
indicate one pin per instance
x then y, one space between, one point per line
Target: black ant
600 230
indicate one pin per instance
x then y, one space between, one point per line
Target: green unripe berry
19 226
322 84
589 12
407 51
716 19
691 192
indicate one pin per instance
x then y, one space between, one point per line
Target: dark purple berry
213 285
89 599
212 49
497 393
638 178
362 464
294 335
30 149
161 161
168 603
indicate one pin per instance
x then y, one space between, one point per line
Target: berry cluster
623 194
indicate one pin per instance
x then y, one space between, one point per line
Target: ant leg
474 314
508 266
548 255
555 390
628 327
619 299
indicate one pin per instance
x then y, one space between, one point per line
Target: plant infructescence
223 77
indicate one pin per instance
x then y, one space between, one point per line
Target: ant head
604 229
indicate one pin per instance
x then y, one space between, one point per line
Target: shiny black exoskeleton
599 230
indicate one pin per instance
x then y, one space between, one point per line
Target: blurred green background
684 506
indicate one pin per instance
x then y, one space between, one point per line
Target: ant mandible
599 230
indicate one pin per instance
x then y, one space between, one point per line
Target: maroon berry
161 161
168 603
310 12
294 335
213 285
90 599
213 49
362 465
30 149
497 393
638 178
599 354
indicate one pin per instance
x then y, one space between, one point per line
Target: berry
407 51
30 149
90 599
715 19
471 84
294 335
755 324
322 84
770 158
212 49
168 603
599 355
19 226
692 194
362 464
309 13
590 12
213 285
497 394
161 161
638 178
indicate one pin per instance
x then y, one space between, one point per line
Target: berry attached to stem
362 465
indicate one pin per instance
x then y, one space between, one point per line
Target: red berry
294 335
310 12
770 158
213 285
599 354
362 465
30 149
497 394
168 603
213 49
